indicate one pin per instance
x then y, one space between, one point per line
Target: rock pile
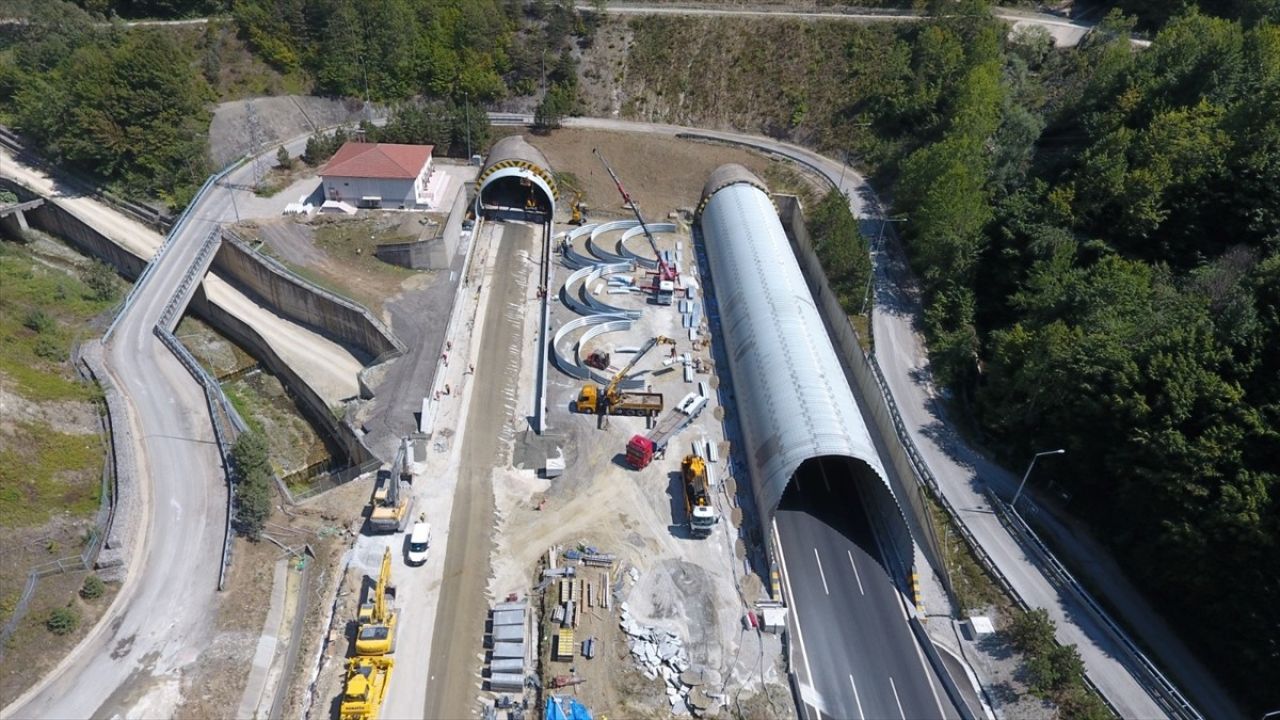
661 653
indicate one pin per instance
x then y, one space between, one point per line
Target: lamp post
1027 474
866 295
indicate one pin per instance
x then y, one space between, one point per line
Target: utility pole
866 295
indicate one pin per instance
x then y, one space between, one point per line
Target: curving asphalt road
132 664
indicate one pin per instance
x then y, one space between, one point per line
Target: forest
1097 233
1096 230
131 105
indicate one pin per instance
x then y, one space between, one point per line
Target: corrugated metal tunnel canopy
514 172
794 403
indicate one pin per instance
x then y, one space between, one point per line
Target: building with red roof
379 175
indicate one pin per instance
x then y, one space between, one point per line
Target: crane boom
612 387
665 271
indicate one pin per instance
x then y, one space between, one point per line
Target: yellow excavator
366 687
609 400
579 210
376 634
391 507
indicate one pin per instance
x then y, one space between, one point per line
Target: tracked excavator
376 634
609 400
366 687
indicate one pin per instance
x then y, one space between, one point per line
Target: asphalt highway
854 647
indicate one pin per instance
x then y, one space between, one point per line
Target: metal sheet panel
793 400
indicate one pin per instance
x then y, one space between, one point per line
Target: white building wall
394 193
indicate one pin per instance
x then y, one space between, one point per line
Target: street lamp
1027 474
866 295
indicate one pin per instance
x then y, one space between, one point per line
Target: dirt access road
459 626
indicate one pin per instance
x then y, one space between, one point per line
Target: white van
419 542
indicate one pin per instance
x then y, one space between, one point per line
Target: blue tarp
566 708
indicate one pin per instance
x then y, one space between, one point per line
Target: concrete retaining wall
124 516
312 405
55 220
859 374
436 253
273 285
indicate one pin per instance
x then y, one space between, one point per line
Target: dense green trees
1098 236
842 250
386 49
253 483
108 100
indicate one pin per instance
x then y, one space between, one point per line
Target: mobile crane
664 282
377 631
611 401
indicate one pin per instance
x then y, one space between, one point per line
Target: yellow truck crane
697 497
376 634
366 687
609 400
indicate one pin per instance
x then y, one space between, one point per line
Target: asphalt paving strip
459 625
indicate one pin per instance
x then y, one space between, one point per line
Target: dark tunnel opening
837 492
516 193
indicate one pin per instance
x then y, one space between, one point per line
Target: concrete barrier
271 284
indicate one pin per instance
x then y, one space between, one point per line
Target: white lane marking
896 699
856 699
820 572
794 614
856 576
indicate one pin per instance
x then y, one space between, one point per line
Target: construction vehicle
642 449
609 400
376 634
598 359
664 281
392 508
366 687
579 210
697 497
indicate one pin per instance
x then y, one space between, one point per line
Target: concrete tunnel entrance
845 493
516 194
516 182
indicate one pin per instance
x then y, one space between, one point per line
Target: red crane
665 279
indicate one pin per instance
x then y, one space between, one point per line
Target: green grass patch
974 589
43 471
43 311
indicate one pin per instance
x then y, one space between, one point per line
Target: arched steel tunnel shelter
793 402
516 182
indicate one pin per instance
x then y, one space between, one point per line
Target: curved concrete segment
580 299
601 229
644 261
599 324
514 174
793 401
